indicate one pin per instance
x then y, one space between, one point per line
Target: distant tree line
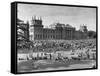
92 34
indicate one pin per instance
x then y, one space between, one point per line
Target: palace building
57 31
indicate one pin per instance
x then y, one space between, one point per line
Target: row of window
38 36
47 36
49 31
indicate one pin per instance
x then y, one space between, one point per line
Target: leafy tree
23 34
92 34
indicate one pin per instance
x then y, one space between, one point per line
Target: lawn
43 65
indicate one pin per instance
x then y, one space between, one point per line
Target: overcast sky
74 16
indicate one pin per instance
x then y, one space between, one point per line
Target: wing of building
56 31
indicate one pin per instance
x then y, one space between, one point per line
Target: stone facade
56 31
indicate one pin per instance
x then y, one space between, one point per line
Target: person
50 56
87 53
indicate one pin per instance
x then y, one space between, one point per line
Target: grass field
44 65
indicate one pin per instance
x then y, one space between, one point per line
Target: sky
75 16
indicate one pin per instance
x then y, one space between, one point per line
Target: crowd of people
64 49
63 45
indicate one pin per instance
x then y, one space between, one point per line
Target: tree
92 34
23 34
